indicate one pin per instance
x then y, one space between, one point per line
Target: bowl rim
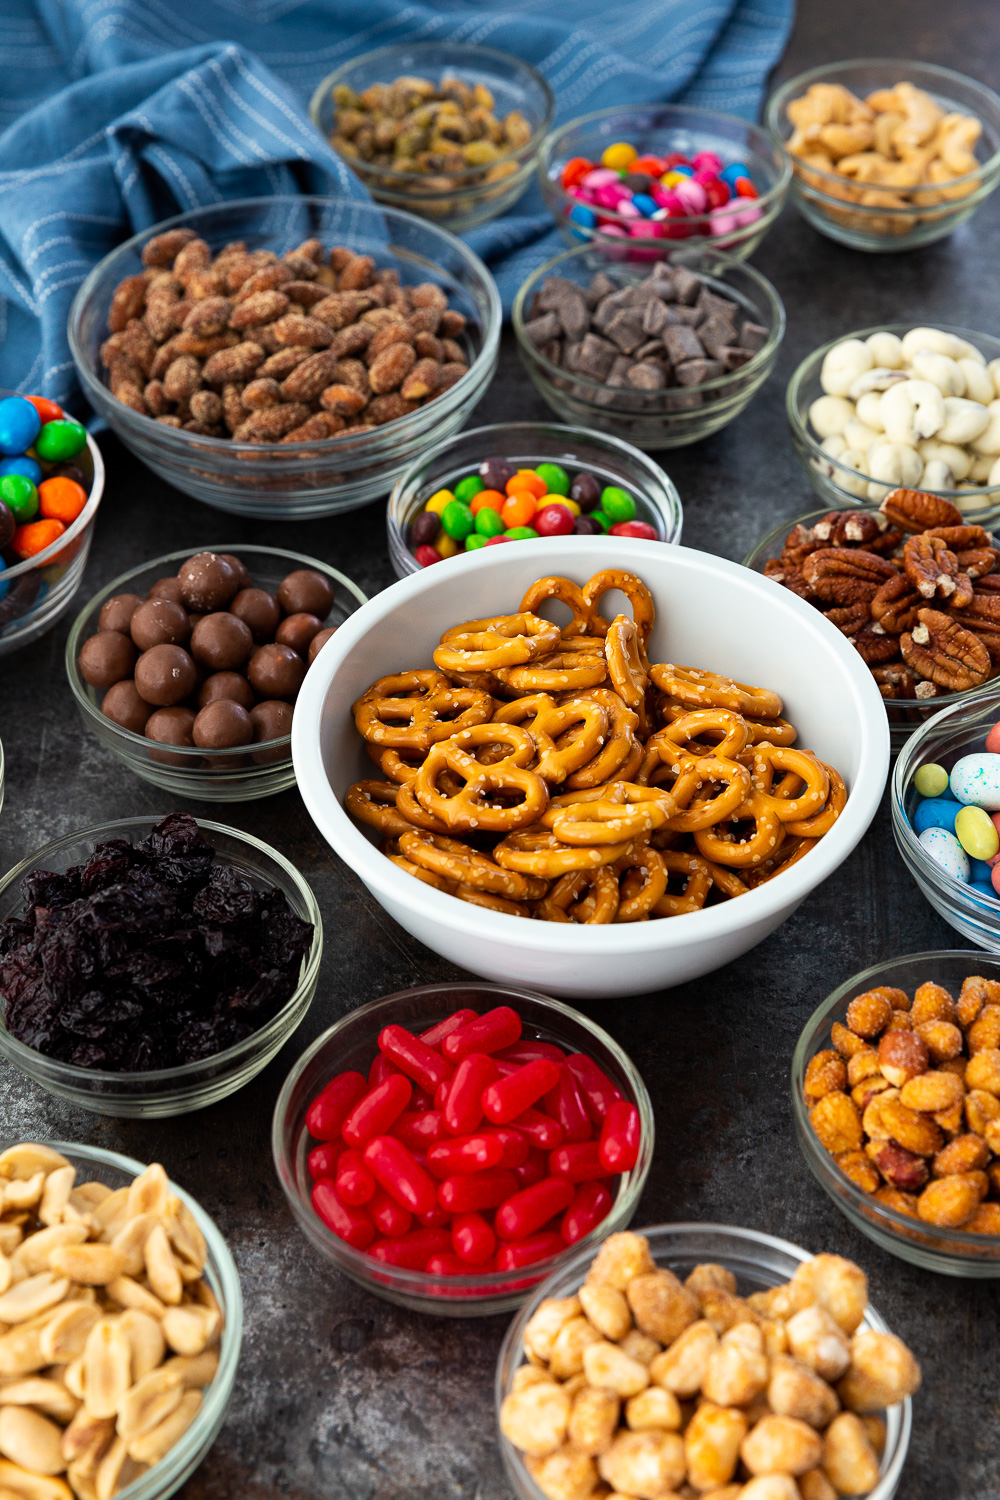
75 530
864 1202
781 97
527 429
809 368
139 741
179 444
491 1283
765 201
515 1332
691 260
472 53
438 909
160 1079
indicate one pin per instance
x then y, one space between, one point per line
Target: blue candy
936 812
683 169
29 467
735 169
584 216
980 872
646 205
19 424
984 888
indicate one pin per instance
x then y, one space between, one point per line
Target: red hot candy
403 1178
329 1109
463 1105
467 1195
504 1100
413 1057
465 1155
419 1131
533 1169
590 1206
413 1251
565 1104
355 1184
391 1218
489 1033
526 1212
350 1224
454 1022
543 1132
323 1160
380 1070
620 1134
447 1265
599 1093
377 1111
529 1252
473 1239
579 1163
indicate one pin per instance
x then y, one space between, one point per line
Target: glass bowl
166 1477
184 771
841 487
924 213
300 480
951 1252
944 739
653 419
905 715
36 592
660 129
178 1090
352 1043
758 1261
465 198
530 443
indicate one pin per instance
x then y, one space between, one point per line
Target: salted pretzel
457 863
776 731
427 877
589 897
811 773
697 877
537 851
790 852
626 668
822 821
566 735
635 591
561 671
374 803
500 641
642 882
474 805
415 722
743 853
586 621
492 903
397 766
621 754
708 690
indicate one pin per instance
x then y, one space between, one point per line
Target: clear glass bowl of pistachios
450 131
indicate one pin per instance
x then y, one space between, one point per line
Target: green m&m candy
555 477
60 440
468 488
457 520
474 541
617 504
20 497
520 533
488 522
601 518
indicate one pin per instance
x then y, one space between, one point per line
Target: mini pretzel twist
743 853
537 851
501 641
585 621
419 721
566 735
810 771
642 882
821 822
589 897
621 754
708 690
374 803
561 672
473 805
460 865
697 876
635 591
626 668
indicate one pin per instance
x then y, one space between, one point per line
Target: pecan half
939 649
895 605
788 575
864 528
896 681
845 575
800 541
982 617
933 569
988 584
869 639
972 545
915 510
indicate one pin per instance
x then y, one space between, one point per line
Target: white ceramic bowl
712 614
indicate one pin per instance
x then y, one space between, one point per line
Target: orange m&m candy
526 480
61 499
30 540
518 509
491 498
48 410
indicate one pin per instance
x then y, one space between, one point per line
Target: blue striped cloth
118 113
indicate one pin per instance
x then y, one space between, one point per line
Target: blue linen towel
122 112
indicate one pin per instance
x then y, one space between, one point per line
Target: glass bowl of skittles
518 481
51 482
946 814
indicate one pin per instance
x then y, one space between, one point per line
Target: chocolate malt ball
231 685
306 592
271 720
116 613
221 725
160 622
124 706
239 568
318 642
276 671
172 726
221 642
165 676
167 588
107 658
208 582
297 631
258 609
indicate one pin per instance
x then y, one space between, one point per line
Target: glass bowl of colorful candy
640 182
946 814
51 482
618 348
450 1146
521 480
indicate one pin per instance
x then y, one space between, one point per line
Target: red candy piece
640 529
505 1100
529 1252
578 1163
566 1105
322 1160
413 1251
377 1111
403 1178
575 169
745 188
493 541
390 1218
418 1131
350 1224
553 520
436 1218
590 1206
473 1239
380 1070
464 1156
355 1184
541 1131
458 1018
599 1093
446 1265
463 1107
525 1212
515 1145
534 1168
675 159
497 1028
528 1050
468 1195
426 555
414 1057
620 1134
330 1108
716 191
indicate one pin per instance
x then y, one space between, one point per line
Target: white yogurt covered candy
975 780
944 848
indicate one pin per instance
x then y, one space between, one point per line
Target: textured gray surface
341 1396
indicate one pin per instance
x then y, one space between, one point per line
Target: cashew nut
923 116
835 444
978 381
963 420
941 370
993 371
843 364
911 410
829 415
887 350
988 440
869 410
982 464
857 435
957 459
856 482
937 476
895 463
956 137
878 379
936 339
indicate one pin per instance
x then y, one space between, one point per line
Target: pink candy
692 195
707 161
599 177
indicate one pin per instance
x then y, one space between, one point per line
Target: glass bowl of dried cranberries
150 967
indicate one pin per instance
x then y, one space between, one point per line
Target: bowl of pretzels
595 783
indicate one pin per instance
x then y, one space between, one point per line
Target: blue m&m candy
19 424
936 812
646 205
30 468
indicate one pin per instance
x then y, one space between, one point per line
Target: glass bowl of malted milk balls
901 406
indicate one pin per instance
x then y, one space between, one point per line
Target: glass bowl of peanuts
887 154
191 1326
895 1084
321 430
491 113
597 1375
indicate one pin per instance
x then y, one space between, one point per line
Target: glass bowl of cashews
703 1357
887 154
123 1321
901 406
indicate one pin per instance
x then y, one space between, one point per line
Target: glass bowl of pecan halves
912 585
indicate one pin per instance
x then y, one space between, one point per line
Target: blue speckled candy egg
943 847
936 812
975 780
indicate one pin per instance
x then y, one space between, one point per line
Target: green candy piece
617 504
602 520
60 440
468 488
474 541
457 520
520 533
488 522
20 497
931 780
556 478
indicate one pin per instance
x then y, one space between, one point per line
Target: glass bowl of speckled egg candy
51 483
946 814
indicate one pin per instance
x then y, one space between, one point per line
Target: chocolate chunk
647 375
716 333
643 292
553 352
651 349
733 358
600 286
682 343
687 286
594 357
619 369
551 293
570 354
697 371
684 400
542 330
572 314
639 182
655 316
625 330
714 306
753 336
690 316
608 306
